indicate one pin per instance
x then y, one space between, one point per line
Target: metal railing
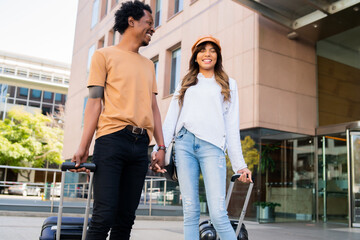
13 70
156 190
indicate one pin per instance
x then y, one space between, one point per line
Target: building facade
33 83
299 101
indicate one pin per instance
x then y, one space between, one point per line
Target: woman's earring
195 60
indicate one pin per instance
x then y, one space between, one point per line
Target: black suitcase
68 227
206 228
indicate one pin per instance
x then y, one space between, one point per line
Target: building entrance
354 179
338 153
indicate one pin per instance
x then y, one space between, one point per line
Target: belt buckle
135 130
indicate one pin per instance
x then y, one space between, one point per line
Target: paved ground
162 228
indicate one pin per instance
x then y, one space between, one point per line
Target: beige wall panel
306 106
246 102
287 78
273 37
248 73
283 110
238 47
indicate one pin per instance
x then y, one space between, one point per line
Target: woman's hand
245 175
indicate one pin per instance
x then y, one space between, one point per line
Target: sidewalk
20 228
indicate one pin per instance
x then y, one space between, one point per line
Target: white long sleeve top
208 117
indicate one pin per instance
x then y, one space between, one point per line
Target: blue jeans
121 160
192 155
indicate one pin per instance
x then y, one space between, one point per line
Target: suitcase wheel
207 231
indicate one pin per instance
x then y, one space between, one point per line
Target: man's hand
157 162
80 156
245 175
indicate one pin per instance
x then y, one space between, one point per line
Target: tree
28 140
250 153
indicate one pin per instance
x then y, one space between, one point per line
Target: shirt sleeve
171 118
97 74
231 118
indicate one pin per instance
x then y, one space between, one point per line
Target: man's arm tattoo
96 92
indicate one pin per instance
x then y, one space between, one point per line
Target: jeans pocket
180 134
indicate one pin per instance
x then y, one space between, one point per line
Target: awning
310 19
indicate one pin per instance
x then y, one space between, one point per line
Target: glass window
178 6
23 92
20 102
95 13
46 109
34 104
111 39
114 2
158 13
22 73
175 69
4 89
101 42
35 94
90 53
34 75
59 98
104 4
10 71
156 66
83 114
12 90
46 77
48 97
58 79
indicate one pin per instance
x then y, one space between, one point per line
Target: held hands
245 175
157 162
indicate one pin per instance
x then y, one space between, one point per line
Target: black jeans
121 160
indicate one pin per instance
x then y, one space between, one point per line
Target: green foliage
267 163
250 153
267 204
29 140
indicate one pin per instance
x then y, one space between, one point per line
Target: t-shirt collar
200 75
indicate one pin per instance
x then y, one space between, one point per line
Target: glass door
333 178
354 162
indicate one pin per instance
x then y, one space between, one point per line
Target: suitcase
68 227
206 228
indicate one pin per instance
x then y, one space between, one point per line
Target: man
122 108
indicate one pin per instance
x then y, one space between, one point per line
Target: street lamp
4 114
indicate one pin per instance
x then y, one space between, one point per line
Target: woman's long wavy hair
190 78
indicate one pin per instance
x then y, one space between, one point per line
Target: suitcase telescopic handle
71 165
236 176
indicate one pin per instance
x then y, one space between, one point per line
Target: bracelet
161 147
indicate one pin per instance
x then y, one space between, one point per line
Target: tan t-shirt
129 83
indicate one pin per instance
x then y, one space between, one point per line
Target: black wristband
161 148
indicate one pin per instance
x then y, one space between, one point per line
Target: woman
204 115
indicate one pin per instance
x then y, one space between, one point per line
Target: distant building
37 84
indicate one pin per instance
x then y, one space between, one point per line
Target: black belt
136 130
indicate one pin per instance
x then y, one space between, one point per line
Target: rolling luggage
206 228
68 227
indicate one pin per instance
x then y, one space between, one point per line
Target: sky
38 28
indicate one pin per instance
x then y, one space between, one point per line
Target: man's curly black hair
129 9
